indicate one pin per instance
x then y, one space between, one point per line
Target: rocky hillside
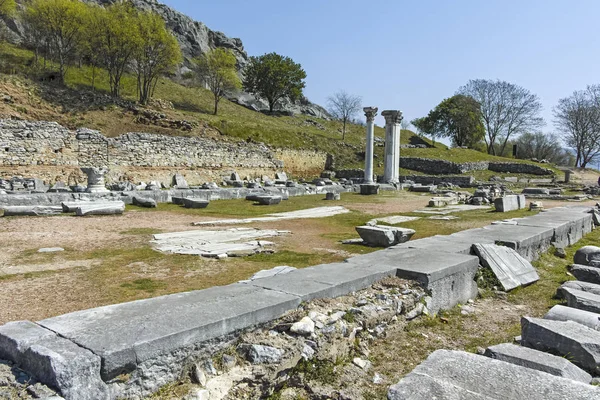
195 39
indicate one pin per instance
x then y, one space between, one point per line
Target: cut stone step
457 375
581 300
537 360
510 268
583 286
580 344
585 318
585 273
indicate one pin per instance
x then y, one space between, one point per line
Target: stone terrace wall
461 180
304 163
433 166
24 145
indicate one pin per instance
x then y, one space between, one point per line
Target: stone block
585 273
144 202
586 318
125 335
31 211
580 344
536 191
423 188
179 182
384 236
587 254
508 266
581 300
112 208
369 189
456 375
537 360
583 286
333 196
189 202
510 203
177 200
442 201
268 200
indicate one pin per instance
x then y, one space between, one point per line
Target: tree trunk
216 104
344 131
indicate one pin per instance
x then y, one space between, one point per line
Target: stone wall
57 153
433 166
462 181
302 163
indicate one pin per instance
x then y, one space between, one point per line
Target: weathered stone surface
179 182
31 211
195 203
267 273
510 268
583 286
127 334
587 254
537 360
510 203
319 212
368 189
259 354
144 202
536 190
384 236
268 200
51 250
585 273
568 339
305 326
455 375
96 182
423 188
581 300
586 318
332 196
112 208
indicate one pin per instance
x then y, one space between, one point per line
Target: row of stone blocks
80 353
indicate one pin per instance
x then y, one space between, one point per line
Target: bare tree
543 146
405 124
507 110
578 119
344 106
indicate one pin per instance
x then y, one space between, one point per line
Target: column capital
370 113
392 116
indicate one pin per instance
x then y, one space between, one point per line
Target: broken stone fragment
259 354
305 326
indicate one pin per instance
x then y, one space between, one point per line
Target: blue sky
409 55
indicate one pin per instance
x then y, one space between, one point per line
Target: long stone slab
448 276
510 268
53 360
581 300
585 318
580 344
585 273
127 334
113 208
31 211
583 286
456 375
537 360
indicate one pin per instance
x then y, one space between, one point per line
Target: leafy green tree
118 40
217 70
273 77
92 39
61 22
157 53
457 118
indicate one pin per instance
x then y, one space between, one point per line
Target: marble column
96 182
393 118
370 113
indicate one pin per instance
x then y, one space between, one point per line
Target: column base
369 189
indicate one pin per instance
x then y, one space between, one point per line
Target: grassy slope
44 102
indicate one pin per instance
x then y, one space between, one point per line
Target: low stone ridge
189 202
464 376
585 273
540 191
268 200
583 286
581 300
319 212
567 339
112 208
537 360
384 236
510 268
586 255
144 202
31 211
564 314
510 203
